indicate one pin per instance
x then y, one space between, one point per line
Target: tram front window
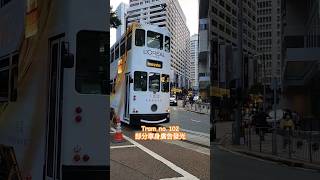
91 64
154 82
154 40
165 83
140 81
167 44
140 37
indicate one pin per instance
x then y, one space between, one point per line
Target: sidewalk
266 152
273 158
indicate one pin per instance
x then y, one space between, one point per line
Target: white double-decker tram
139 79
53 90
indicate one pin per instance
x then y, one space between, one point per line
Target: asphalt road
190 120
130 161
230 166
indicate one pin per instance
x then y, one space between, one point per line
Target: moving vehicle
53 76
173 101
139 79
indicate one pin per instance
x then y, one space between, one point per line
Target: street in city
159 159
249 168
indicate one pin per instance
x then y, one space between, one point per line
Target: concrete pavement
230 166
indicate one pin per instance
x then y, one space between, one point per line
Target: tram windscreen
167 44
91 63
140 81
154 40
154 82
165 83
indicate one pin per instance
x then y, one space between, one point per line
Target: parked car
173 101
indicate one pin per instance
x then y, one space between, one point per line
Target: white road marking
195 132
195 120
184 173
124 146
184 178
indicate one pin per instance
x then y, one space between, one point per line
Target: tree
114 21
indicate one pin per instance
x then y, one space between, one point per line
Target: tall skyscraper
218 34
121 14
167 13
269 40
194 41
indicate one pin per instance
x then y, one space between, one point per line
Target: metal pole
264 86
239 76
274 139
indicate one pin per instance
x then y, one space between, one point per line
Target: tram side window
111 86
122 49
112 56
154 82
4 79
129 41
140 81
14 78
167 44
116 55
154 40
140 37
165 81
91 68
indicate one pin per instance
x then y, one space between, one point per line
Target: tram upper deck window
154 82
167 44
140 37
154 40
140 81
129 41
112 56
165 83
91 65
116 52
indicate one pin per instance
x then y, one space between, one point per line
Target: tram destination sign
154 63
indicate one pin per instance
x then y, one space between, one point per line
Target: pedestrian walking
287 125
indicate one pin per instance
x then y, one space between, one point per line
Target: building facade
204 58
121 14
301 60
269 41
221 26
194 41
167 13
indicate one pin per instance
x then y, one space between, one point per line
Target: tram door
127 99
54 109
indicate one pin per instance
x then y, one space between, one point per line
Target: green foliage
114 21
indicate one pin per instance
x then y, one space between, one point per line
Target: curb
197 112
280 160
